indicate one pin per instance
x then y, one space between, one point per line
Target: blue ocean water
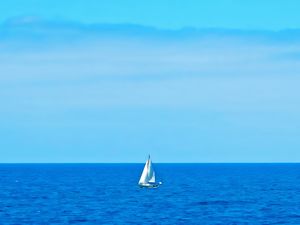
190 194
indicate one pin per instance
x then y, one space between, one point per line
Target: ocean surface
190 194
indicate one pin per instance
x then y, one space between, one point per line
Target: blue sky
246 14
105 81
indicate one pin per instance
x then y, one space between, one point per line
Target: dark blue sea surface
190 194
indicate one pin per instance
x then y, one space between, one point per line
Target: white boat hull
150 185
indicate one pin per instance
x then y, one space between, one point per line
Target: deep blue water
191 194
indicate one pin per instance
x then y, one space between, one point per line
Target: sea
190 194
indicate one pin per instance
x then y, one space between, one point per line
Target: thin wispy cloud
119 58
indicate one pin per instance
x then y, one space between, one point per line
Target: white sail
143 178
148 174
152 180
151 173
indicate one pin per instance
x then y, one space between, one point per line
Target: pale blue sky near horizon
115 92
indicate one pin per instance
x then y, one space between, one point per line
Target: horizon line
154 162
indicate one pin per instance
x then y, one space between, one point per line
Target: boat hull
150 185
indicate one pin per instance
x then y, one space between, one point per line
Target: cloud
23 20
123 65
38 28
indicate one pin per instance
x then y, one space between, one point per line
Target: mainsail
148 174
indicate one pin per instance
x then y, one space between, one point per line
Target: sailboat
148 176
